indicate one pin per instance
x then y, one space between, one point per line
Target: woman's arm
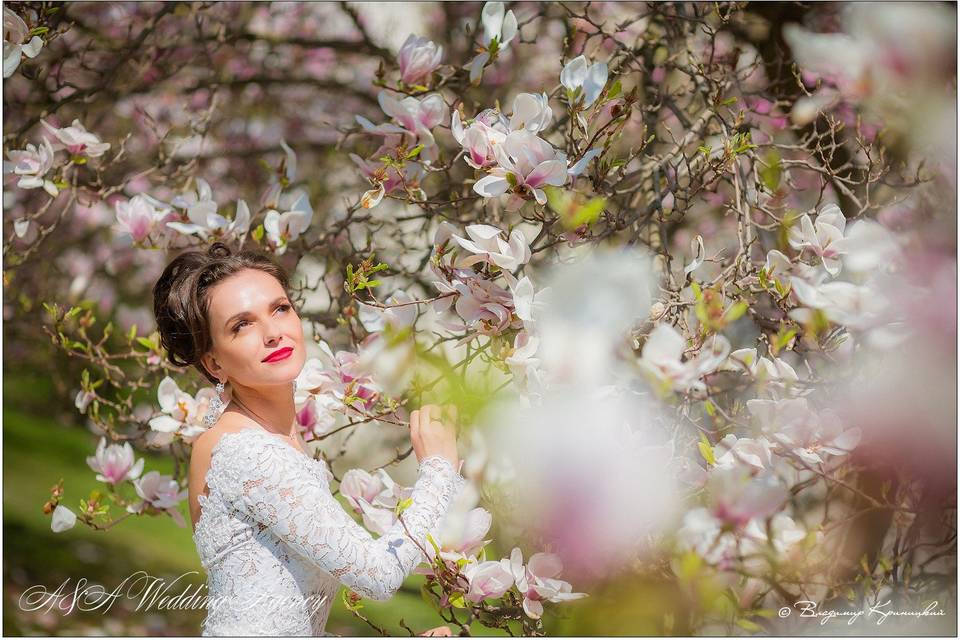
275 485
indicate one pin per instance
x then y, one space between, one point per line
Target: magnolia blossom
418 58
115 463
346 377
32 164
581 78
738 495
498 27
182 413
854 306
732 451
531 112
869 245
415 116
401 312
15 31
77 140
538 581
204 219
462 535
283 228
141 216
63 518
762 368
526 163
487 580
374 497
487 245
824 238
159 492
317 415
661 360
488 129
799 431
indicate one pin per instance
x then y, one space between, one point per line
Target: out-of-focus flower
738 495
32 165
160 492
77 140
462 535
799 431
858 307
15 31
401 312
581 78
661 360
824 238
63 518
732 451
141 216
418 58
83 400
115 463
762 368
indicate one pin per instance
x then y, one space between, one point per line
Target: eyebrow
243 314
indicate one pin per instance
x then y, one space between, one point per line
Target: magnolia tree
686 270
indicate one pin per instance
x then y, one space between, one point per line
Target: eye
237 326
284 307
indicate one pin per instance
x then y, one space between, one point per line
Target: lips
279 354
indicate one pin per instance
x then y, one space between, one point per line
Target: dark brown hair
181 300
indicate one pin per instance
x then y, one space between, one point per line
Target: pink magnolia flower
488 129
463 536
32 164
15 31
140 216
115 463
77 140
487 580
538 581
418 58
798 430
526 163
739 496
159 492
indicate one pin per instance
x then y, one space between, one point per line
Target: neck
273 407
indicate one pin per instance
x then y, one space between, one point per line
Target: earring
213 412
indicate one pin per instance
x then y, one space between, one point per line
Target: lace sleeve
275 485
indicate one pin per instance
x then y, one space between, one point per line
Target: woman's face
252 323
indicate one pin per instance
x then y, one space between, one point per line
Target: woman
274 541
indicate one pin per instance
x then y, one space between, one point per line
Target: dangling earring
213 412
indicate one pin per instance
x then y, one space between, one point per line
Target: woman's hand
432 435
443 631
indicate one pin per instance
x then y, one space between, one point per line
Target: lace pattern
276 544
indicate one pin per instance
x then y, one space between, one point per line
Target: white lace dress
276 544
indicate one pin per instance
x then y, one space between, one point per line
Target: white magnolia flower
661 360
204 219
498 26
77 140
526 163
531 112
487 245
32 164
15 31
733 451
761 367
63 519
824 238
283 228
589 79
182 413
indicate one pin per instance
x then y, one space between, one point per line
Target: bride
275 543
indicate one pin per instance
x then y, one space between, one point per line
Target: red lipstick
279 354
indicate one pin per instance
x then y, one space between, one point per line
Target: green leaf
132 333
749 625
373 283
457 601
735 311
414 152
402 505
729 101
615 89
145 342
707 452
588 213
771 171
257 234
